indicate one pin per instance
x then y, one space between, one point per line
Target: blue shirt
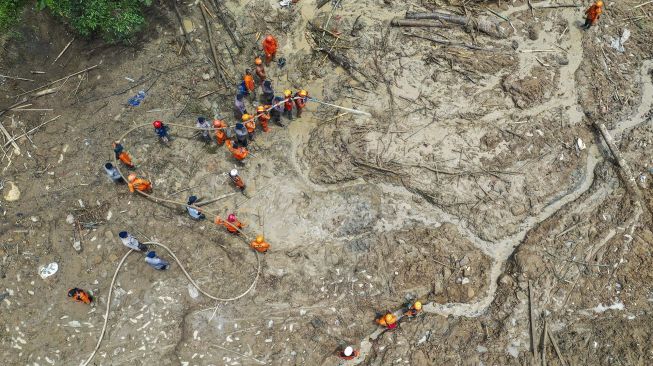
162 132
194 213
157 263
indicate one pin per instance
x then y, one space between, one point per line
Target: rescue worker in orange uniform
80 295
239 152
388 320
301 97
232 224
260 245
250 125
349 353
138 184
263 117
220 133
122 155
592 14
270 46
236 179
248 80
287 104
414 309
260 70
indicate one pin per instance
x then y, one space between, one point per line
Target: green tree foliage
112 20
9 13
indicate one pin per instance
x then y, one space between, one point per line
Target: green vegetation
9 13
112 20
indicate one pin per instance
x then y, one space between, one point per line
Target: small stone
206 76
70 219
74 324
113 257
77 245
470 293
464 281
13 193
506 280
97 260
533 33
464 261
188 25
192 291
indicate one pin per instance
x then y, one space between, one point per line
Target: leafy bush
112 20
9 12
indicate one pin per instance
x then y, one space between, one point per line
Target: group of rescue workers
271 109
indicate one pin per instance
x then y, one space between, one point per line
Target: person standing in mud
592 14
204 124
239 106
260 70
268 92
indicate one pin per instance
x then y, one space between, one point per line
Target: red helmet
231 218
157 124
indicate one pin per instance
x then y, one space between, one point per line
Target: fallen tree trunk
415 23
485 26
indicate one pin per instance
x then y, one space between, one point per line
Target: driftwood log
485 26
396 22
626 173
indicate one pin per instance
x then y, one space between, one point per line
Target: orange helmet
599 3
131 177
246 117
258 61
259 239
303 93
269 38
260 108
287 93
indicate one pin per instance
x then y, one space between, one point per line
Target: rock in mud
533 33
13 193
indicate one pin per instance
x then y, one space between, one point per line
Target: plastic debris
136 100
618 43
48 270
580 144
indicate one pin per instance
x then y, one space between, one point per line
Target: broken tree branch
396 22
32 130
63 51
482 25
218 66
52 82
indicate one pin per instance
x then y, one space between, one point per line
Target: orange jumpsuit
238 182
263 119
593 13
270 49
232 227
220 135
251 127
300 103
80 295
260 247
126 159
249 82
390 325
139 184
239 153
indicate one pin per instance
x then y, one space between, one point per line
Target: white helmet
349 351
233 172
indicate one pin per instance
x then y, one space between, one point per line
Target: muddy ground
479 176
